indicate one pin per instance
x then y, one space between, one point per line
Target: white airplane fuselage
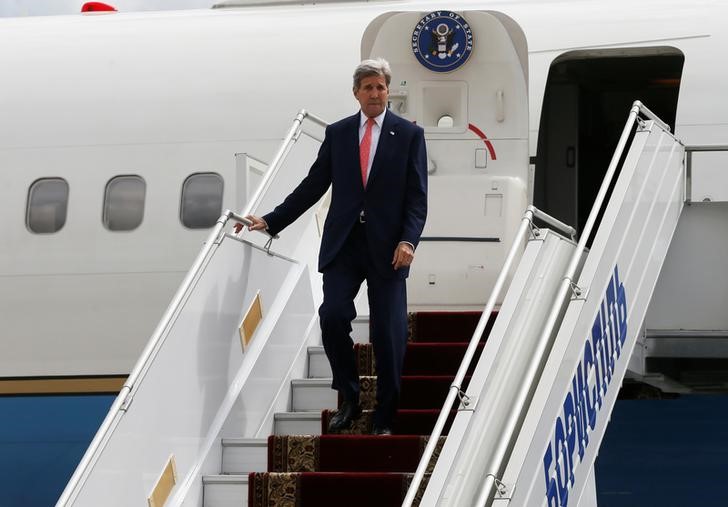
167 95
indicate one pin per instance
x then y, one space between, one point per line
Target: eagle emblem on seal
442 41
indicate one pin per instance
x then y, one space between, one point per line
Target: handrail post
290 138
537 213
275 163
645 111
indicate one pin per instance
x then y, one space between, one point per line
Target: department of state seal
442 41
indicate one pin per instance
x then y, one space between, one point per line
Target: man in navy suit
376 165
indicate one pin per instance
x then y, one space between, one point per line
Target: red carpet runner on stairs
357 469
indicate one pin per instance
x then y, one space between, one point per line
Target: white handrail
126 394
456 388
566 288
291 137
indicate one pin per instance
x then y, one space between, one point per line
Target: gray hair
368 68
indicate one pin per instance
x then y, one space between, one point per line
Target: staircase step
346 453
417 391
244 455
437 358
446 326
297 423
428 358
426 391
421 358
318 363
324 489
406 422
225 490
312 394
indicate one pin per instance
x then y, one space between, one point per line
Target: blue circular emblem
442 41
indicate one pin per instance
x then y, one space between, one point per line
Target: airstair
219 365
236 356
531 420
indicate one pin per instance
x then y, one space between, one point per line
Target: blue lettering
602 351
562 463
591 400
611 315
621 307
598 358
552 495
578 385
608 352
570 435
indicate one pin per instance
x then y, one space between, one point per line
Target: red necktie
364 149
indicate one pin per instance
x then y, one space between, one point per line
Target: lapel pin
391 132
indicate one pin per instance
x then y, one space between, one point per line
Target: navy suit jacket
394 200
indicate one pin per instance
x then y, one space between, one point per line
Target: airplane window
47 205
201 204
124 203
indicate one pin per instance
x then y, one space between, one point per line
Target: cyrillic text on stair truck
583 403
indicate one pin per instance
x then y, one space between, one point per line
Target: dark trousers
388 313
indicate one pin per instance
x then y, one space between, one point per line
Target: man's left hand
403 255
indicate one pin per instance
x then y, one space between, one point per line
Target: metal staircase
530 423
309 396
217 368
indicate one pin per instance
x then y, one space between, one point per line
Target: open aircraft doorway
588 93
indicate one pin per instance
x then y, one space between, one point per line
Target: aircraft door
587 96
462 76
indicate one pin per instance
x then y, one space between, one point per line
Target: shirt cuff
408 243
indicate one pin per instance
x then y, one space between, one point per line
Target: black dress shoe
381 430
345 416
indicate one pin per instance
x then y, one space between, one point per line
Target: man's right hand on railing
257 224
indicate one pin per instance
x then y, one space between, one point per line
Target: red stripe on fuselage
487 142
